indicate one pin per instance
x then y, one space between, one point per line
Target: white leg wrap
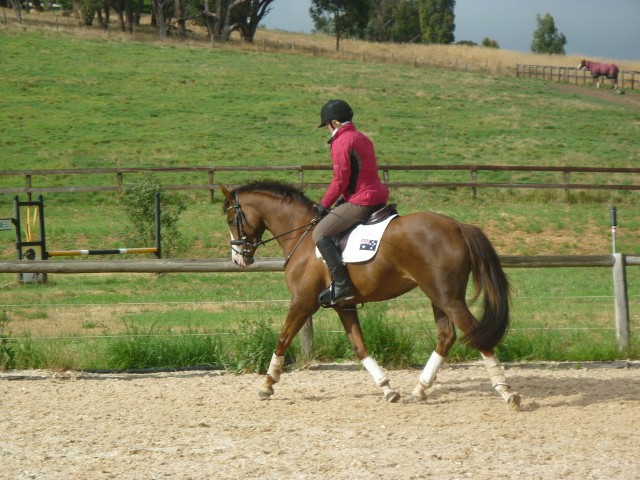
500 383
430 372
275 367
495 371
376 372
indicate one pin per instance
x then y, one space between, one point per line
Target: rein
244 241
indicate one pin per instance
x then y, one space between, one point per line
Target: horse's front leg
296 316
349 318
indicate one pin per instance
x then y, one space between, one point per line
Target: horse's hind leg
446 338
499 382
351 324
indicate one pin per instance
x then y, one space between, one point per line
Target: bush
7 351
138 200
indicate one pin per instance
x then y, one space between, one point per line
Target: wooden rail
617 262
213 181
626 78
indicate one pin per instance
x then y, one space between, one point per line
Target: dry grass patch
462 57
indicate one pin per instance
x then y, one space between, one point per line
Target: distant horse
607 70
425 250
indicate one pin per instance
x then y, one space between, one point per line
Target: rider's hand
321 211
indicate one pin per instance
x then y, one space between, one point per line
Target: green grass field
69 102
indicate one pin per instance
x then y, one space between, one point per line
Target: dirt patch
628 99
323 422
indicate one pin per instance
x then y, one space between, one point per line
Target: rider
357 187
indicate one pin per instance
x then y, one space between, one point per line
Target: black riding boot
342 287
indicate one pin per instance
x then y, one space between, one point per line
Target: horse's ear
226 193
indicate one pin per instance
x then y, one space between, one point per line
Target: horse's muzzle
241 260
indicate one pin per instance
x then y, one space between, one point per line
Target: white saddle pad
363 242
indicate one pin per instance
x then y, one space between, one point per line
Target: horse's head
245 228
583 65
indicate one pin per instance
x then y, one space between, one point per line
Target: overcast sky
608 29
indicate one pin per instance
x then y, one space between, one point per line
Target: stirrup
327 298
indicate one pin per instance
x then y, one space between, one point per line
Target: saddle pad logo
370 245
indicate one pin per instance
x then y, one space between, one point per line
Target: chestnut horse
425 250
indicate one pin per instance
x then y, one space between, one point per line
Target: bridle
242 239
249 247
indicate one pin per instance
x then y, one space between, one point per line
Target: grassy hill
70 101
75 100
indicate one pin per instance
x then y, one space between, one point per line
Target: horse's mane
279 189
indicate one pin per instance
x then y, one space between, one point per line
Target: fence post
27 181
306 340
474 179
158 223
621 301
211 188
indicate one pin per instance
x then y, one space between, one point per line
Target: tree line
219 17
412 21
397 21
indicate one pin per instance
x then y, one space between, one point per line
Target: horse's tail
488 277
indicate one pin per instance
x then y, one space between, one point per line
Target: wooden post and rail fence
626 78
113 179
617 262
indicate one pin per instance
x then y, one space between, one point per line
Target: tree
86 10
437 21
249 15
547 38
489 43
17 8
158 7
406 24
381 17
243 16
394 21
340 18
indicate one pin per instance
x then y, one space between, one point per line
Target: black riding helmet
335 110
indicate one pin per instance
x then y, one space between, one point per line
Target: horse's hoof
513 402
416 399
392 396
265 393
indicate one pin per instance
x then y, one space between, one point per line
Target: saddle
379 215
360 243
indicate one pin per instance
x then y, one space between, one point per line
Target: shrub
138 200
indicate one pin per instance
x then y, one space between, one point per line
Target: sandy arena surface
325 422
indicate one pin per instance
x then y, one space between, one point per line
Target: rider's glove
321 211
